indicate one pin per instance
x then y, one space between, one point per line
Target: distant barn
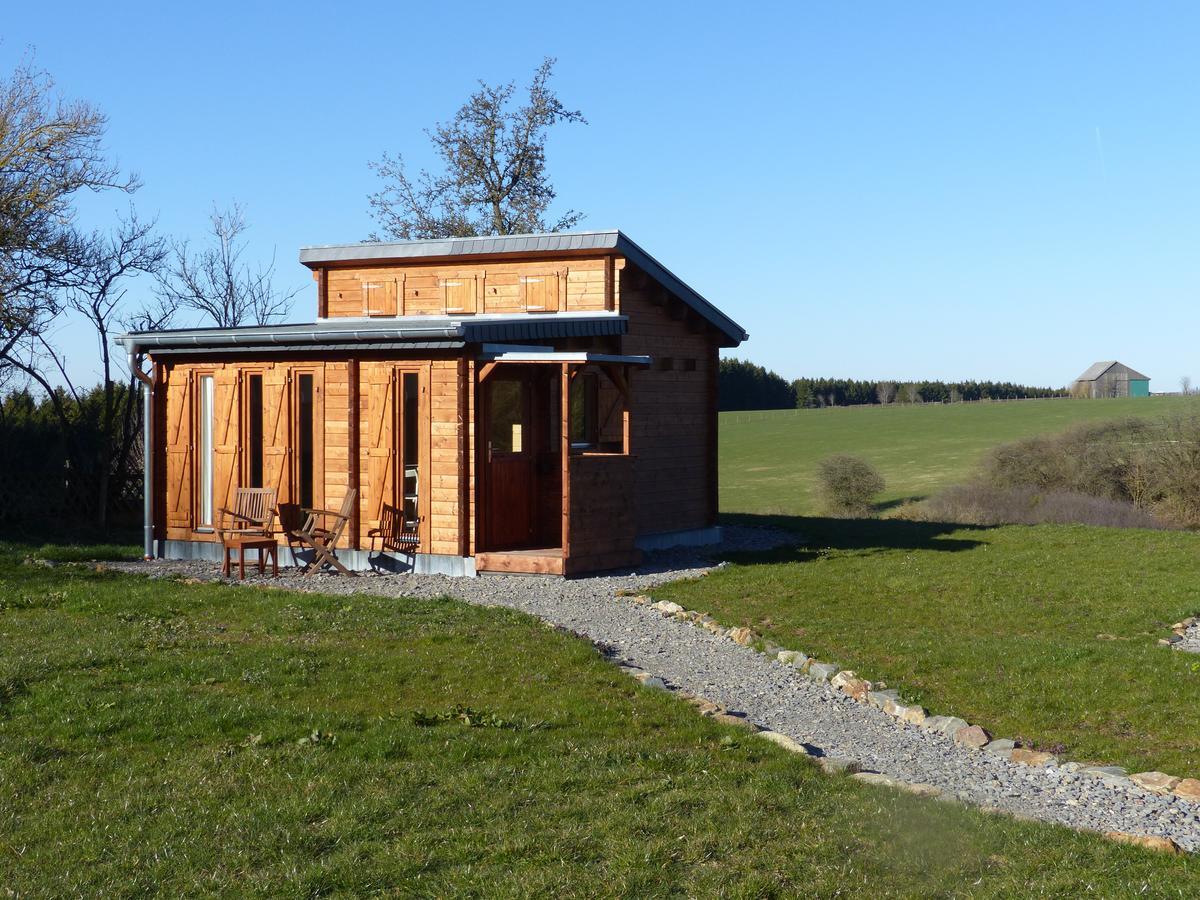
1111 379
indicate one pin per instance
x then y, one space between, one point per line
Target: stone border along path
809 707
1185 635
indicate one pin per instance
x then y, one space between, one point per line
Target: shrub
848 485
979 503
1150 465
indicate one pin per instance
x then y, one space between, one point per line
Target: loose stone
667 607
1111 771
651 681
1188 789
879 699
1155 782
782 740
1149 841
850 684
743 636
1032 757
792 657
739 721
1001 745
823 671
839 764
972 736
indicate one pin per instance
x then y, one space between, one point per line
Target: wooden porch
556 471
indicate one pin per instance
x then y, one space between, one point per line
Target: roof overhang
535 355
413 332
559 244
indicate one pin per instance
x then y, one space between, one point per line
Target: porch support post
353 449
627 420
565 442
148 384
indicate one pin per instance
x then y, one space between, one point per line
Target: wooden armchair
395 535
253 514
321 531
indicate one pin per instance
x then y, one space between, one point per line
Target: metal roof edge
545 242
685 292
541 242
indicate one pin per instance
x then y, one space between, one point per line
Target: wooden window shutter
179 450
277 447
540 293
459 294
379 297
381 441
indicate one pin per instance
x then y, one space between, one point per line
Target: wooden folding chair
394 534
320 533
253 514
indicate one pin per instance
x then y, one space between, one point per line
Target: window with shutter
540 293
458 294
380 297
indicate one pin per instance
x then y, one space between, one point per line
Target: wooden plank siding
673 415
668 482
497 286
346 392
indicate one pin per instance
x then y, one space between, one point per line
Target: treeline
64 465
743 385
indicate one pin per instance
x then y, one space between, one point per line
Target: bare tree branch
494 179
218 284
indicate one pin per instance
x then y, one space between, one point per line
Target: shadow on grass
69 542
820 534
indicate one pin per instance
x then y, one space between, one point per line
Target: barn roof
1097 370
526 245
411 332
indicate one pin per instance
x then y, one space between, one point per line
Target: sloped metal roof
380 333
1097 370
554 243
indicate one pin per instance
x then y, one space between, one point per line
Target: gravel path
775 695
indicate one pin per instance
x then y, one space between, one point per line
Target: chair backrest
343 517
256 505
394 530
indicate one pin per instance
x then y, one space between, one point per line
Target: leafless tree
50 150
217 283
494 179
912 392
1185 385
955 394
885 391
98 296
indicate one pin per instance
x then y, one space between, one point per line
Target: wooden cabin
532 403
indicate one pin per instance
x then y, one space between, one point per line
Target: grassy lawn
768 459
1046 633
163 738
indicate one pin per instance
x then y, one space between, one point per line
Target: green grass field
163 739
1047 633
768 459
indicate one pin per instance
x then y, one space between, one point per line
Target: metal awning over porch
503 353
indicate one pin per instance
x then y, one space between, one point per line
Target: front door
509 519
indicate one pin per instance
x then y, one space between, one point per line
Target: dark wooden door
509 516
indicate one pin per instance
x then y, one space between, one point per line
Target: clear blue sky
934 190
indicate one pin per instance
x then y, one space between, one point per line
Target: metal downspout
135 366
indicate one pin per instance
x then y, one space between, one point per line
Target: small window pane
305 441
412 446
205 511
255 429
507 417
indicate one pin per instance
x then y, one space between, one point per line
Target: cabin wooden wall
500 286
673 422
340 385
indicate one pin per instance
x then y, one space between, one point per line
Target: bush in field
848 485
1152 466
979 503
